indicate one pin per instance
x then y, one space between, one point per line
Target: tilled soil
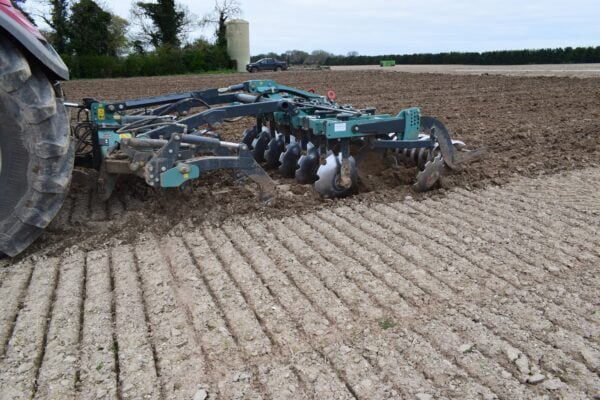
485 293
486 288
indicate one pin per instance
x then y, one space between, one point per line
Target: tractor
171 140
36 155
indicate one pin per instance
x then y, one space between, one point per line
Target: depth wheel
329 184
36 157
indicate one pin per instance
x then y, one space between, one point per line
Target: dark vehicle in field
267 64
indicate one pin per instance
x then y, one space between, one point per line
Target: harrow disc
249 136
330 183
307 166
260 146
423 155
274 150
431 174
289 160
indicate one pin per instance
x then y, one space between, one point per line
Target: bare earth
488 293
487 288
571 70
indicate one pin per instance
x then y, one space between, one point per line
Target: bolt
151 176
157 180
170 151
163 169
176 137
150 168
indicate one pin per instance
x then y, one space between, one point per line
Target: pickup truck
267 64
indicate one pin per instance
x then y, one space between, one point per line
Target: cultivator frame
305 135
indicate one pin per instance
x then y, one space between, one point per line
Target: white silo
238 42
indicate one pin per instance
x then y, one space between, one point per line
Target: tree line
96 43
503 57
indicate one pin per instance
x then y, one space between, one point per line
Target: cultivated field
487 288
573 70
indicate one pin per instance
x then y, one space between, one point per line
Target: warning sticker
341 127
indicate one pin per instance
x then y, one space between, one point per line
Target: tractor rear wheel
36 156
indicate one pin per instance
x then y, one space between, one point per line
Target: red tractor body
14 24
19 18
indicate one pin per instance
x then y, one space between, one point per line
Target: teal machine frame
304 135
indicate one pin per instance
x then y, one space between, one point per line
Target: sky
374 27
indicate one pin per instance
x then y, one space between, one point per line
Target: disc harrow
172 139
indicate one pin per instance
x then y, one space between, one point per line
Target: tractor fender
15 25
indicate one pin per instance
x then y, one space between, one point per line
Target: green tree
117 35
138 46
296 56
224 10
318 57
199 44
162 23
89 29
58 21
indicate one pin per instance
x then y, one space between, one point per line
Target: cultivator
306 136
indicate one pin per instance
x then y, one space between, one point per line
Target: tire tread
46 138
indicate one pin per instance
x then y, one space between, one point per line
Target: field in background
572 70
484 289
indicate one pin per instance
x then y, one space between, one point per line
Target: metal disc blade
289 160
325 185
307 166
442 137
273 152
432 173
261 145
413 155
422 158
249 136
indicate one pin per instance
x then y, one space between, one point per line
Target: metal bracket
163 160
245 163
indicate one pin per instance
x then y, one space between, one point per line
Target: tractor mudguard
15 25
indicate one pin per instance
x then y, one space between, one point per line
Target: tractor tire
36 156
